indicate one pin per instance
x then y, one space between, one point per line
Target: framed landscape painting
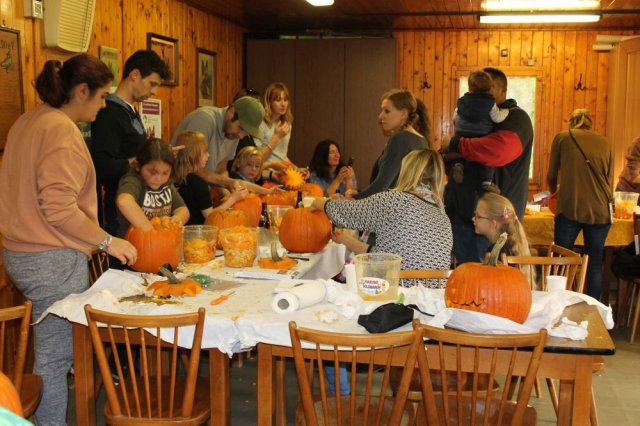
167 48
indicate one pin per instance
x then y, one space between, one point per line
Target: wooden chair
415 277
364 405
627 302
98 264
147 396
29 386
455 352
574 268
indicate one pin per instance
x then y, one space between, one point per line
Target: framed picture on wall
111 57
12 103
206 78
167 48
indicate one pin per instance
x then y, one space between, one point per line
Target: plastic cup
199 243
625 203
377 275
276 213
556 283
240 245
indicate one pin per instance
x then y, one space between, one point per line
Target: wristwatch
106 242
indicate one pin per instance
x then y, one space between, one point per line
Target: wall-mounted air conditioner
68 24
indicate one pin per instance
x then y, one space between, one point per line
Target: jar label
372 286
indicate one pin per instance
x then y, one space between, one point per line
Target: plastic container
240 245
276 213
625 203
377 275
200 243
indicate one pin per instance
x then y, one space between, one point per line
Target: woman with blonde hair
408 220
404 119
494 215
581 160
192 188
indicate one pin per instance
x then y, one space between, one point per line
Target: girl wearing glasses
494 215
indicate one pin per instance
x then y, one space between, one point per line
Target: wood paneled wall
563 56
124 25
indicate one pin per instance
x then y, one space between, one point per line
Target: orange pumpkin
303 231
186 287
311 190
9 397
284 264
163 244
281 199
251 205
490 288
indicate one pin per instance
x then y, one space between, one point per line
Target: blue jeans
565 233
467 245
330 374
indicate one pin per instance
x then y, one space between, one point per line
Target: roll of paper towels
300 296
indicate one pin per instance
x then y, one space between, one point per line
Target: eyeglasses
477 216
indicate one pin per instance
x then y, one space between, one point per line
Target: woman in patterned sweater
409 220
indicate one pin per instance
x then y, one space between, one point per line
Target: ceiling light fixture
539 4
538 18
318 3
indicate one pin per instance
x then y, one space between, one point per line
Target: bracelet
106 242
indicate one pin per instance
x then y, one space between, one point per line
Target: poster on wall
11 101
151 114
110 57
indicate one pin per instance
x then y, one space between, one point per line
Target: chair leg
593 412
636 315
621 300
632 295
553 394
537 388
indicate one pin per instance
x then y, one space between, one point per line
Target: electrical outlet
504 52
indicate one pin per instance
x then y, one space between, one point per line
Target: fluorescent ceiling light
538 18
539 4
320 2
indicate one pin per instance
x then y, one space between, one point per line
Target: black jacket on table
116 135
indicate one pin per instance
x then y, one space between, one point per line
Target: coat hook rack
579 86
425 83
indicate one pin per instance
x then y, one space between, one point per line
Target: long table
567 360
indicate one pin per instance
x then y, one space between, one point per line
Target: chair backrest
434 278
365 404
13 356
98 264
146 393
453 357
581 275
565 266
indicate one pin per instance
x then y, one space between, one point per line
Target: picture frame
167 49
11 105
111 57
206 78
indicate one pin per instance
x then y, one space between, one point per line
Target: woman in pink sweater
48 212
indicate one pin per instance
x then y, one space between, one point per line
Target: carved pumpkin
311 190
172 286
303 231
292 178
251 205
281 199
163 244
9 397
490 288
226 219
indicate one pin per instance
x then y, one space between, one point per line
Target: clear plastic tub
240 245
200 243
625 203
276 213
377 275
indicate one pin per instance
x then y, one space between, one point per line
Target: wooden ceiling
349 16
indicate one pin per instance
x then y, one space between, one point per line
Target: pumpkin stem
274 252
167 273
495 251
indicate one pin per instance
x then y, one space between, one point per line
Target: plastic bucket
377 275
